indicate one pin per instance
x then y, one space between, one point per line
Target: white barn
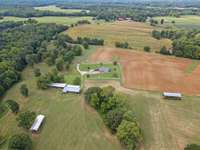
37 123
72 89
172 95
57 85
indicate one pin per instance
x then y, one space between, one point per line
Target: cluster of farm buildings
66 88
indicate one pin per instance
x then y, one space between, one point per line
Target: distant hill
181 3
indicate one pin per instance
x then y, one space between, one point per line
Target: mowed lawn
186 22
167 124
70 123
58 9
50 19
136 34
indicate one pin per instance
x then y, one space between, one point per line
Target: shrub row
116 115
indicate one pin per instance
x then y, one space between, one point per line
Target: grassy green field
58 9
167 124
186 22
136 34
69 121
114 74
50 19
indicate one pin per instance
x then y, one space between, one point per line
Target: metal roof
57 85
169 94
104 69
72 88
37 123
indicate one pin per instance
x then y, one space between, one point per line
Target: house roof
72 88
104 69
37 123
169 94
57 85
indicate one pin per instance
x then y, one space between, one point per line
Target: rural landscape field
103 75
137 34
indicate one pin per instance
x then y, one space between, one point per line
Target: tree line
116 115
26 12
20 46
185 43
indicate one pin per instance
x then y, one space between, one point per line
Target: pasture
69 121
50 19
58 9
184 22
136 34
166 124
154 72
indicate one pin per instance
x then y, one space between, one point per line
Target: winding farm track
153 72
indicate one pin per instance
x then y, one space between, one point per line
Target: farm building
103 69
72 89
37 123
57 85
172 95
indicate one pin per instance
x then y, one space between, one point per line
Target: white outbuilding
72 89
57 85
37 123
172 95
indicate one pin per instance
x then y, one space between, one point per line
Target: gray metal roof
104 69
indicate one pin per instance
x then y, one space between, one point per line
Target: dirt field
152 71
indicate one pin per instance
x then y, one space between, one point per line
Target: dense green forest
20 11
20 46
103 11
185 43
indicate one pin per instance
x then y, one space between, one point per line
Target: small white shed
57 85
37 123
172 95
72 89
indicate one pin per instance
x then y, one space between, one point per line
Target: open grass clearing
166 124
50 19
184 22
75 126
136 34
58 9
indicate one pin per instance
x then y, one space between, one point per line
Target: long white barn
37 123
172 95
67 88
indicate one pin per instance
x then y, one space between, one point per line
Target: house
172 95
57 85
37 123
120 19
72 89
103 69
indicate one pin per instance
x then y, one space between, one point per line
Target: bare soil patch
152 71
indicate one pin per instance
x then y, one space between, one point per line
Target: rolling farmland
136 34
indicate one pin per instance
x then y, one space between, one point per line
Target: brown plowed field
153 71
